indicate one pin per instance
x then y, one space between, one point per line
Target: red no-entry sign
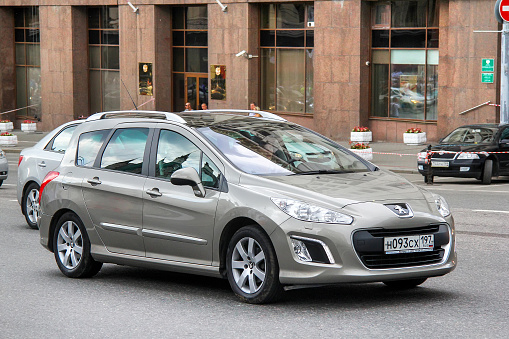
503 9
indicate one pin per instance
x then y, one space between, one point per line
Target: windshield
470 135
268 148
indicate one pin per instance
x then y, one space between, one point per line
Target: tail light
20 160
50 176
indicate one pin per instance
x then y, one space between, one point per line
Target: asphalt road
36 300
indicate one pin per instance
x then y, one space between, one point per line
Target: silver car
221 194
4 167
35 162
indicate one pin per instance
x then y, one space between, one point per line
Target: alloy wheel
248 265
32 205
70 245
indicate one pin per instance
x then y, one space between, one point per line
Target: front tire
404 284
71 247
30 205
252 267
487 172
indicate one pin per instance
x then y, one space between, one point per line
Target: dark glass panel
94 37
191 91
19 35
33 54
21 89
432 38
178 38
409 13
204 91
178 92
20 54
407 91
32 17
210 174
380 38
178 60
93 17
268 79
32 35
110 17
94 56
196 60
19 18
110 57
380 89
267 38
290 38
432 13
111 90
290 15
310 102
291 76
196 38
178 18
196 17
311 13
268 16
409 38
310 38
95 91
110 37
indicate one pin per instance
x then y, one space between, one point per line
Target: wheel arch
228 231
53 225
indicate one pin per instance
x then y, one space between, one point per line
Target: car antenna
129 94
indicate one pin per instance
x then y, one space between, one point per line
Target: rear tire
404 284
487 172
71 247
252 267
30 205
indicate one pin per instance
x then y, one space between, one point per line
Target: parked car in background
473 151
35 162
4 167
260 201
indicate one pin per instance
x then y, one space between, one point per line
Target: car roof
483 126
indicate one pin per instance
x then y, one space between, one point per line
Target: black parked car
469 152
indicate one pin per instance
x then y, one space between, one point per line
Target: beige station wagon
242 195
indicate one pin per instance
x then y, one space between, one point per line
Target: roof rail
251 113
137 114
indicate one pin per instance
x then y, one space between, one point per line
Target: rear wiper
322 172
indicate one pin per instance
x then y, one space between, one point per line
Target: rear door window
61 141
125 150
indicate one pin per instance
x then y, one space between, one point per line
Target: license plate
439 164
408 244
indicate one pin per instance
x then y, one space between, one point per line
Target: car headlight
470 156
442 205
306 212
2 154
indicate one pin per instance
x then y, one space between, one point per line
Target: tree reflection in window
125 150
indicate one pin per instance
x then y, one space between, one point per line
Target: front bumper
457 168
4 169
348 263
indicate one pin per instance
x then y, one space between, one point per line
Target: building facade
328 65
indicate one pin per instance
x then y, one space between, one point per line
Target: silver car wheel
248 265
32 205
69 245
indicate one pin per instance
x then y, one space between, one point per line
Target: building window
103 57
404 72
28 62
286 48
190 56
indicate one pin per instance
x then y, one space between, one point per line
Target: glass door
197 92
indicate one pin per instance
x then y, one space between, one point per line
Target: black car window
125 150
470 135
61 141
174 152
209 173
504 134
89 145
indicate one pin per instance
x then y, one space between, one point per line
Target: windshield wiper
322 172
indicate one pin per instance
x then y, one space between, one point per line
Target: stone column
7 69
64 77
339 57
229 33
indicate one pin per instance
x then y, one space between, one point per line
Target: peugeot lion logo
402 210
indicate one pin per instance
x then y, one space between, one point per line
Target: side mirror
188 177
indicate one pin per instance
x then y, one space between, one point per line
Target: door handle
41 164
154 193
94 181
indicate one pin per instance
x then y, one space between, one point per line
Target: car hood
341 190
463 147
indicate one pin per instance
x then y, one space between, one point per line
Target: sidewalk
404 163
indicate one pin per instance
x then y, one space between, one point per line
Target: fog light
464 169
421 167
301 250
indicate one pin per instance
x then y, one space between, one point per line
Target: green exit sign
487 78
488 65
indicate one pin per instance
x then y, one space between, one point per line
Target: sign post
503 17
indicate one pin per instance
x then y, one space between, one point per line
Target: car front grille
369 245
443 156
